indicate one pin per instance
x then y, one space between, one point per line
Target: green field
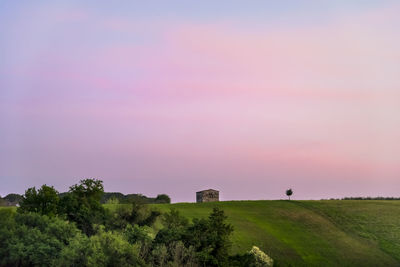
311 233
11 208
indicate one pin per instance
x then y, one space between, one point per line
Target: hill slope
312 233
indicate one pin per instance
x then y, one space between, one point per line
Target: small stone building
209 195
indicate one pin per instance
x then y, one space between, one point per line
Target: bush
260 258
31 239
111 249
135 234
112 201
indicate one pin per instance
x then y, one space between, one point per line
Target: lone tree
289 192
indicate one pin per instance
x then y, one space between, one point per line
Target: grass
11 208
311 233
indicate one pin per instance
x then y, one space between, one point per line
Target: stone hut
209 195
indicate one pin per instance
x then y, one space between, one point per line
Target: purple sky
249 99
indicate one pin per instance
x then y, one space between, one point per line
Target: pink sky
178 100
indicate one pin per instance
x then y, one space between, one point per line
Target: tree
44 201
163 198
82 205
289 192
31 239
175 227
210 238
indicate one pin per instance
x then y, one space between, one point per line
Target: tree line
112 197
75 229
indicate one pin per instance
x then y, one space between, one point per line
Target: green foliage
82 205
175 227
289 192
260 258
242 260
135 198
174 220
150 219
89 191
44 201
7 224
208 238
31 239
112 195
112 201
140 235
135 213
111 249
76 230
159 255
173 254
163 198
76 253
182 255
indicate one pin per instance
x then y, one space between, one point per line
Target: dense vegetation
311 233
107 197
76 230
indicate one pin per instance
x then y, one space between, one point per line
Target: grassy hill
312 233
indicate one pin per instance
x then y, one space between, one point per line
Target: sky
175 97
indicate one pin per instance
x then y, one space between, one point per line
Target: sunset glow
174 98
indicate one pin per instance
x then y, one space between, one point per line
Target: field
11 208
311 233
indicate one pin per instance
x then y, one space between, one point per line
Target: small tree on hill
289 192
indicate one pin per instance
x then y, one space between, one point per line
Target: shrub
111 249
136 234
31 239
112 201
260 258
